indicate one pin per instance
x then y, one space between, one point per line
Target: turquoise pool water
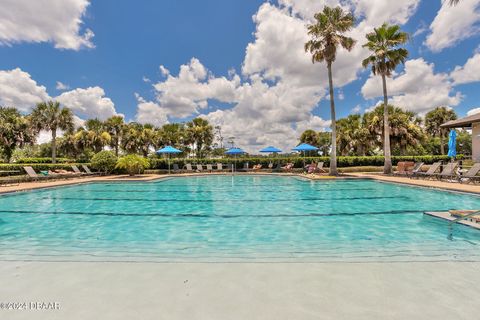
218 218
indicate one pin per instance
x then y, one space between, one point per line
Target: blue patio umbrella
168 150
234 152
270 150
303 148
452 141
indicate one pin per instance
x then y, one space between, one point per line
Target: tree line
21 131
362 135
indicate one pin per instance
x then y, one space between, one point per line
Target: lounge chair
288 167
471 174
176 169
449 171
257 167
77 171
188 167
33 175
88 171
270 166
417 167
199 168
404 168
278 167
209 168
431 171
219 166
320 167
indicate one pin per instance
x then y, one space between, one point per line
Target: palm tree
200 134
147 138
114 126
434 119
131 142
385 42
352 136
68 145
309 136
15 131
327 35
172 134
404 127
51 116
324 142
98 137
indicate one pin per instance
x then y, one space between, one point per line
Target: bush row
47 160
156 163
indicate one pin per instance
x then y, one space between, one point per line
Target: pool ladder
452 222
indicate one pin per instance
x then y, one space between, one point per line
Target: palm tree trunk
333 153
387 167
54 145
442 146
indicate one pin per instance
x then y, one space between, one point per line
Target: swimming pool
235 218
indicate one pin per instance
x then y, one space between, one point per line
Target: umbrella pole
168 163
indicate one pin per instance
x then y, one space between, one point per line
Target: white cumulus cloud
187 94
56 21
88 103
418 88
18 89
453 24
470 72
150 112
62 86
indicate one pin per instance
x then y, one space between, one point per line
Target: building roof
463 122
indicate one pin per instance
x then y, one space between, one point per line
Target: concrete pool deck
331 290
435 290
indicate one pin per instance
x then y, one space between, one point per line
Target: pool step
447 216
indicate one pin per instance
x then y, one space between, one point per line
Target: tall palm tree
171 134
200 134
147 137
434 119
114 126
51 116
404 127
98 137
384 43
327 35
131 137
352 137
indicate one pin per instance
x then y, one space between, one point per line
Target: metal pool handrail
452 222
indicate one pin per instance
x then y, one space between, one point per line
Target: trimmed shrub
104 161
132 163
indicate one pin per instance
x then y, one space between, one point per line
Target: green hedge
36 166
44 160
298 161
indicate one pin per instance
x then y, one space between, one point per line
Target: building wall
476 142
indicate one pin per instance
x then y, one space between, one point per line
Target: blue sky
242 62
